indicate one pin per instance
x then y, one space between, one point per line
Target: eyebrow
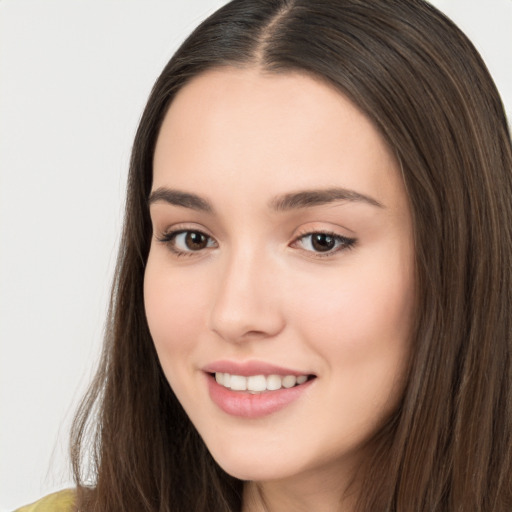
286 202
310 198
179 198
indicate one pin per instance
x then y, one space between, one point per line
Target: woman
311 308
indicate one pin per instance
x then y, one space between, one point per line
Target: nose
247 305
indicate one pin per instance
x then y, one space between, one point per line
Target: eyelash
342 242
169 240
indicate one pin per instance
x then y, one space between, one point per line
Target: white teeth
238 383
273 382
289 381
258 383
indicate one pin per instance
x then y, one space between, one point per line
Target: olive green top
62 501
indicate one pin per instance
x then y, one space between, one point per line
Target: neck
319 493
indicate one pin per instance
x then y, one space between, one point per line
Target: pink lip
248 405
248 368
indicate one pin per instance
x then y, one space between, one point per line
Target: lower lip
249 405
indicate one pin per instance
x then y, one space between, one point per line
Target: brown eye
195 241
322 242
188 241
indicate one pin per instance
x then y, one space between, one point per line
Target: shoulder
62 501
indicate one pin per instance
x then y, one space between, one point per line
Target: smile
256 396
258 383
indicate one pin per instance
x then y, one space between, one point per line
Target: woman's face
282 256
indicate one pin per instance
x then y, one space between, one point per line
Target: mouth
254 389
258 395
258 384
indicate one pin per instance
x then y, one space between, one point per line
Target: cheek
174 312
354 307
360 321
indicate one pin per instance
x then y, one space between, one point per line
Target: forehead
251 129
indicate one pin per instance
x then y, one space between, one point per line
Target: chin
253 471
255 464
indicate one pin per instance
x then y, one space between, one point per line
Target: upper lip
248 368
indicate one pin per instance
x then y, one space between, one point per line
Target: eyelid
168 236
344 242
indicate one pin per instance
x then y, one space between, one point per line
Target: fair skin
248 278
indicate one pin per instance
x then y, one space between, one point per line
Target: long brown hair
418 78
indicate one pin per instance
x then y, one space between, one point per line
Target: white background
74 77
